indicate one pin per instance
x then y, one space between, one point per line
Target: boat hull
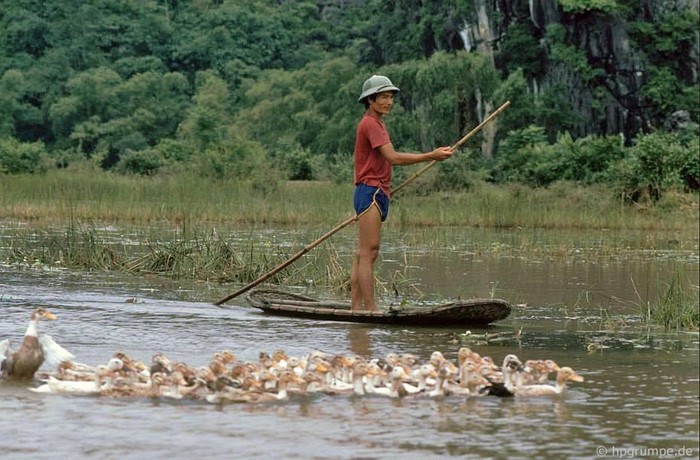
454 313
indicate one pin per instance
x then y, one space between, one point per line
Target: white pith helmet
376 84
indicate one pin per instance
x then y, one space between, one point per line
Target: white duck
442 385
424 376
395 388
34 350
358 377
564 375
503 383
99 383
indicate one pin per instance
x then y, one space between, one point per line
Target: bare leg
362 275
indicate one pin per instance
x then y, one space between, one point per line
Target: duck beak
49 315
576 378
321 367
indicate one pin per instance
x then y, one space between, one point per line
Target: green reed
678 307
96 196
186 255
103 197
562 206
75 247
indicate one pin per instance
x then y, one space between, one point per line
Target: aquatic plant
678 307
75 247
187 255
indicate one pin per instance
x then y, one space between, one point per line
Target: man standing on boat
374 158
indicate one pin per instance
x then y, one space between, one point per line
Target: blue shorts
366 195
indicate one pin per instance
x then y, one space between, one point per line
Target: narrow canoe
455 313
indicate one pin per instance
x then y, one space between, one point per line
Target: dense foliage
228 88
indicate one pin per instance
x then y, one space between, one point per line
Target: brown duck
35 349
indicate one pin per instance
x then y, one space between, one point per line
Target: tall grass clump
678 307
212 257
195 255
75 247
209 257
199 257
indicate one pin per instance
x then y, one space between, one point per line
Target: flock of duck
277 376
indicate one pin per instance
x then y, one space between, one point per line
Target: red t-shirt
371 167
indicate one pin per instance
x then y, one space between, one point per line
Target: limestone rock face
605 40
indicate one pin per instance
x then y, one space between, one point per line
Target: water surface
641 389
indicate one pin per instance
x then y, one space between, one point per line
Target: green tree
206 121
521 50
313 108
671 83
156 102
11 89
440 97
90 96
23 31
665 94
414 29
263 34
518 155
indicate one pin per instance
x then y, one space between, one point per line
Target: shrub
296 162
458 173
657 162
516 154
588 160
21 158
144 162
240 159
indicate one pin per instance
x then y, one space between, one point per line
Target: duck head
511 362
551 366
42 313
567 373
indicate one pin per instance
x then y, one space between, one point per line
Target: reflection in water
589 275
358 339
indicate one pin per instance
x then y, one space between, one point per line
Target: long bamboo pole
354 218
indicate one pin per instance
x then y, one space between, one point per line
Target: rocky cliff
609 95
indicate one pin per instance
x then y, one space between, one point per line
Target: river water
640 397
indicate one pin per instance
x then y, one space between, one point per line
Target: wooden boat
455 313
